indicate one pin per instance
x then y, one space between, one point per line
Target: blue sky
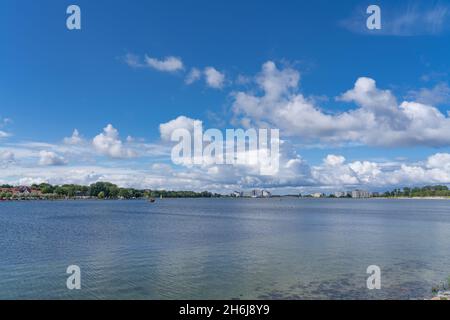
54 81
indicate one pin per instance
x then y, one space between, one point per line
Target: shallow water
224 248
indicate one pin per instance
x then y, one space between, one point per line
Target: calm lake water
224 248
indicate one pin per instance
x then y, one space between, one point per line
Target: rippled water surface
224 249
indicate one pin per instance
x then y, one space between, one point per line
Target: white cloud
214 78
3 123
439 161
243 80
434 170
333 160
168 64
7 158
74 139
378 121
49 158
334 173
275 82
84 152
108 143
7 155
439 94
193 76
133 60
181 122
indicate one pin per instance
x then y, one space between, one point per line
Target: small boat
152 200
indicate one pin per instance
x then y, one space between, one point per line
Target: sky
356 108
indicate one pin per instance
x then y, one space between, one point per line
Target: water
224 248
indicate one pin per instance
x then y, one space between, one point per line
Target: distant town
106 190
428 191
344 194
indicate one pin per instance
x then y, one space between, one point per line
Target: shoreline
231 198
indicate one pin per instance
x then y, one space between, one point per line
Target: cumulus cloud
4 134
373 116
181 122
74 139
7 156
50 158
439 161
214 78
439 94
168 64
434 170
334 173
193 76
378 120
333 160
109 144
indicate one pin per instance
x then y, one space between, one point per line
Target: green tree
125 193
108 189
47 189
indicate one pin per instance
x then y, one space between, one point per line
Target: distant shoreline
109 191
224 197
414 198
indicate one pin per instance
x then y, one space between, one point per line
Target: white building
318 195
266 194
257 193
341 194
360 194
237 194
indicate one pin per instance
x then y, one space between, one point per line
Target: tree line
103 190
427 191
